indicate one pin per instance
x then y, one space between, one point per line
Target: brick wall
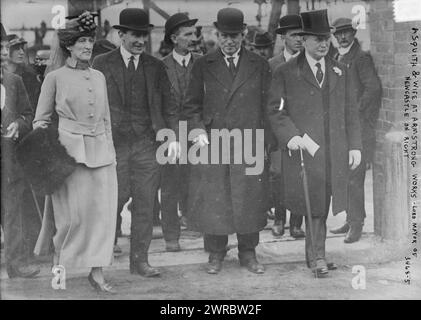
392 171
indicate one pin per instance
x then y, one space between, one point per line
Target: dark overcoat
222 198
302 113
163 111
369 93
17 107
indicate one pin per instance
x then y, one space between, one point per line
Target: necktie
231 65
319 73
131 66
184 62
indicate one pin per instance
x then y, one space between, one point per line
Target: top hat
342 24
288 22
134 19
230 20
262 40
316 23
175 21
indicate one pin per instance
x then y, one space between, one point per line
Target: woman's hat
175 21
288 22
14 41
342 24
76 27
134 19
262 40
316 23
230 20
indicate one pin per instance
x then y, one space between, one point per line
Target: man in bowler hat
312 107
16 121
289 29
140 104
180 33
227 90
263 44
369 91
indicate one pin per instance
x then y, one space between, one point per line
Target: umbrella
308 207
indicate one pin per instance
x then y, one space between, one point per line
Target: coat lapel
246 67
117 66
170 64
332 76
305 71
218 68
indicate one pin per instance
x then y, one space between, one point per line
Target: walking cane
308 207
34 197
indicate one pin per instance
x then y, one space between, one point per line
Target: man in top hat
312 107
289 29
16 121
263 44
180 33
140 104
227 90
369 91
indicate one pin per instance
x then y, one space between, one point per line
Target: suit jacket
222 198
369 92
170 65
302 112
16 108
163 110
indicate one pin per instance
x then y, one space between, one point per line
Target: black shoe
278 228
252 265
321 269
172 246
214 266
144 269
340 230
101 287
297 233
29 271
354 233
332 266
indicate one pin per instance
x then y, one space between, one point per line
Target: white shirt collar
126 57
179 58
236 57
312 63
344 51
288 55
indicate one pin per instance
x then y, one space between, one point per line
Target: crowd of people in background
108 102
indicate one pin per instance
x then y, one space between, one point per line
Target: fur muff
45 162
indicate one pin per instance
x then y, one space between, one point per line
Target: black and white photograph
205 153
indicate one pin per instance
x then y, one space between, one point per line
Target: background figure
227 90
262 44
313 79
368 93
289 29
31 216
181 33
141 104
16 118
88 197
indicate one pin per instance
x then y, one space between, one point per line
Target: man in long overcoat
312 97
369 91
227 90
140 105
16 122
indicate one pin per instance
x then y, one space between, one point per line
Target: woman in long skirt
85 205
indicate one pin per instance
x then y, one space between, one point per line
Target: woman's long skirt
85 209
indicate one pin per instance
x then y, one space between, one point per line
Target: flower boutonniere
337 70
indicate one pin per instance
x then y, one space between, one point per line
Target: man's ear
173 38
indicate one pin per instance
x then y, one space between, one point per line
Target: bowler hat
288 22
175 21
343 24
230 20
134 19
316 23
262 40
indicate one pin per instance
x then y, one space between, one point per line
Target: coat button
90 89
91 115
91 102
93 130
